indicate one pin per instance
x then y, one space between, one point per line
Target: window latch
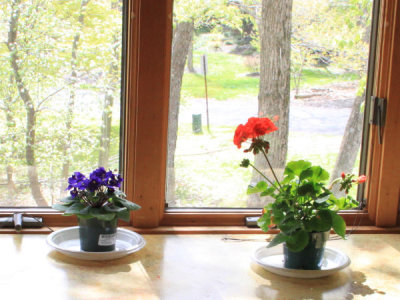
18 221
378 115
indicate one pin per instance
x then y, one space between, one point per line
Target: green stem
266 178
269 164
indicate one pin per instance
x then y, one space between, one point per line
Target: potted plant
304 208
98 203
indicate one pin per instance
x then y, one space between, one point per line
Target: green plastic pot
97 235
311 257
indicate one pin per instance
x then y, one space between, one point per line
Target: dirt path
323 110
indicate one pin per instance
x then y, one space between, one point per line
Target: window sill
208 230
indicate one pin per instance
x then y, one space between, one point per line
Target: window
303 63
60 83
148 57
156 213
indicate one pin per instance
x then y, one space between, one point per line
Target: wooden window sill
207 230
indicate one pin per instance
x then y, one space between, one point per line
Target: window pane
301 62
59 95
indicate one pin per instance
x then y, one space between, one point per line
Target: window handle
378 115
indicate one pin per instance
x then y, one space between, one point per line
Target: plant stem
259 172
269 164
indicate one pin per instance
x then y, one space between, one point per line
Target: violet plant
98 196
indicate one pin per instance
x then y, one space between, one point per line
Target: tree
274 91
188 15
356 17
73 78
24 92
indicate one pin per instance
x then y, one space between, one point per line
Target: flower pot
310 258
97 235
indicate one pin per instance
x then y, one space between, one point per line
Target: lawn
227 77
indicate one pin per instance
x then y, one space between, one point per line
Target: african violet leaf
68 200
100 214
296 167
298 240
84 216
338 224
124 215
60 207
113 208
75 208
129 205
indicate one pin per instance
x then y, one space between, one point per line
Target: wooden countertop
193 267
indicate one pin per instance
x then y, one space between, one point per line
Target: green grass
227 78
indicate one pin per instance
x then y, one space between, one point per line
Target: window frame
382 207
148 56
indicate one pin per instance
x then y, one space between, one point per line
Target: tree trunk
351 142
352 137
114 76
66 143
190 59
12 189
274 93
181 41
30 133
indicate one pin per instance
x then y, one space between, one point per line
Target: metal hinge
378 115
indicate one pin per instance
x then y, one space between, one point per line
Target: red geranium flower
254 128
361 179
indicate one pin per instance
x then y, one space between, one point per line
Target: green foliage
46 32
117 206
303 203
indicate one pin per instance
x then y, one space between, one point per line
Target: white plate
67 242
271 259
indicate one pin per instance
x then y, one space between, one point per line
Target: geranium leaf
260 187
307 173
321 222
298 240
264 221
319 174
296 167
289 226
338 224
278 239
268 191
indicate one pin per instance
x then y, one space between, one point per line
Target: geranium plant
303 200
97 196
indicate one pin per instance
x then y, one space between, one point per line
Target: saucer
271 259
66 241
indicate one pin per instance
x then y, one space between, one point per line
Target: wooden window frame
148 57
383 185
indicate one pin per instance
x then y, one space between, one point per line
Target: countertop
193 267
